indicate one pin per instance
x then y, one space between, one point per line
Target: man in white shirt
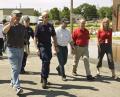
1 39
63 38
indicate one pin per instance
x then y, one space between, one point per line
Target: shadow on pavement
46 93
68 86
22 81
103 79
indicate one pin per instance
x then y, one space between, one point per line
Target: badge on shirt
106 40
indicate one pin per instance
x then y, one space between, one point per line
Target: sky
42 5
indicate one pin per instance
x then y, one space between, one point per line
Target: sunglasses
45 17
18 15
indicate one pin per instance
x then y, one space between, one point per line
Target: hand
12 20
73 51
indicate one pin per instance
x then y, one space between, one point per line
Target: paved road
74 87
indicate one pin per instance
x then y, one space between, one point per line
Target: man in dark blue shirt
43 33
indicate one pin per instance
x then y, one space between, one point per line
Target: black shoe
58 70
44 83
22 72
90 78
64 78
41 81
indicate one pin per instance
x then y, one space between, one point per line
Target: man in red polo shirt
81 38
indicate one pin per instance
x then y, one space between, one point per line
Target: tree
65 13
87 11
54 14
105 12
36 13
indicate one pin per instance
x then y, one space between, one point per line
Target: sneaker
74 73
11 85
19 91
64 79
115 77
98 71
90 78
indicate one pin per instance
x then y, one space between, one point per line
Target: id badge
106 40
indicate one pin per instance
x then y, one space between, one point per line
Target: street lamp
71 16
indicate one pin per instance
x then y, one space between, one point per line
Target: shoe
11 85
44 83
90 78
41 81
115 77
19 91
23 72
64 78
74 73
98 71
58 70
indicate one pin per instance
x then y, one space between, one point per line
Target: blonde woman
104 37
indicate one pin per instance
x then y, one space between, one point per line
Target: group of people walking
18 36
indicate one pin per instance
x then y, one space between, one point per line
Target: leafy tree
65 13
105 12
87 11
54 14
36 13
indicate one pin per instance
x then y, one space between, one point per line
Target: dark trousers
105 49
1 46
62 59
45 56
4 45
24 61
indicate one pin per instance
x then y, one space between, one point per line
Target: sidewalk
74 87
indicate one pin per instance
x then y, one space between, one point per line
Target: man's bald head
82 23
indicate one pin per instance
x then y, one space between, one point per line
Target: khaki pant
84 53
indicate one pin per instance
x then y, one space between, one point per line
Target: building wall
5 13
25 11
1 15
116 15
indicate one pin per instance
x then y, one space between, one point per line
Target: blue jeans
15 56
62 59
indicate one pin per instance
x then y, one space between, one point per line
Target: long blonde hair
102 23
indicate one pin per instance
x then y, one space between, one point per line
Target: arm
36 43
55 43
7 26
36 40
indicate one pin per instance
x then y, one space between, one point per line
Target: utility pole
71 16
20 5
